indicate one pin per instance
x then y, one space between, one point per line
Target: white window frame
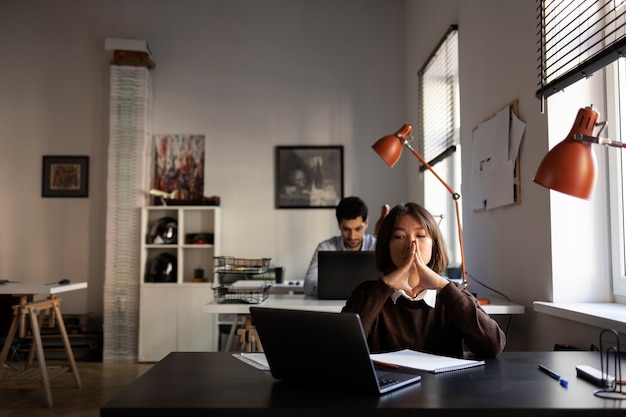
593 291
616 112
437 199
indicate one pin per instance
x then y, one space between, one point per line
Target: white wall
251 75
248 74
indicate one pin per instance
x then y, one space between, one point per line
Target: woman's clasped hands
414 275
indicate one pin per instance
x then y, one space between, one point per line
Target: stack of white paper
127 182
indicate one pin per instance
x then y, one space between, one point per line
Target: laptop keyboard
384 382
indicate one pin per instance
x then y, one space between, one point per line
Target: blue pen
554 375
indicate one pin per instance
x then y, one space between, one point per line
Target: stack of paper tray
230 265
242 292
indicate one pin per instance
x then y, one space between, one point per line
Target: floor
101 381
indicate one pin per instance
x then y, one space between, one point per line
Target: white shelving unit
170 313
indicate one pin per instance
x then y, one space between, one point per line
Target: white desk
25 289
37 377
301 302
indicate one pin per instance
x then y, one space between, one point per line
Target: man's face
352 231
299 179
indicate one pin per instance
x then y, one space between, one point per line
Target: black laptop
324 349
339 272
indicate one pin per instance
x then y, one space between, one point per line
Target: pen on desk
554 375
387 364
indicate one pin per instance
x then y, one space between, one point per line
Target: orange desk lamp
571 167
389 148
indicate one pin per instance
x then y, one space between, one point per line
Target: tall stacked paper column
127 183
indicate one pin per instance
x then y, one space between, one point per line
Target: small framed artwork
309 176
65 176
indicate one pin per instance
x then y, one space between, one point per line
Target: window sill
602 315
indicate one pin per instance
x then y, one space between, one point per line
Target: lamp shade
389 147
571 166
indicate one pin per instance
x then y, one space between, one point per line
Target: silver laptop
339 272
322 348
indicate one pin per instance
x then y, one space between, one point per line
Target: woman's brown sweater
456 321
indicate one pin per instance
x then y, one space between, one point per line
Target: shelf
170 311
159 259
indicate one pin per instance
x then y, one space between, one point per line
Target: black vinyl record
164 231
163 268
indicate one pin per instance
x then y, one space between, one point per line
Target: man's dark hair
350 208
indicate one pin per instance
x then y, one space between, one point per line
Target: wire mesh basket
230 265
234 294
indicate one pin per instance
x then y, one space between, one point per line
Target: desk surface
300 302
215 383
19 288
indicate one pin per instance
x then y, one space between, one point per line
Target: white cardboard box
115 44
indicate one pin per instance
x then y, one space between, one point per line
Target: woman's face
408 229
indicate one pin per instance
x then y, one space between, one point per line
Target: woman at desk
412 306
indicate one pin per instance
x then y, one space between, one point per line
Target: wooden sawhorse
247 336
31 377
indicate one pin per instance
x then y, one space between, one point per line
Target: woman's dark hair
439 257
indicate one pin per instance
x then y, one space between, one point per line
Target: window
577 39
438 119
588 236
439 137
616 105
580 230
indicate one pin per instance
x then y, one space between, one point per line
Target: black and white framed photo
309 176
65 176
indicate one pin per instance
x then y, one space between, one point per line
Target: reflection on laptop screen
339 272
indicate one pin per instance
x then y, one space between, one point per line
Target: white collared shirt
429 297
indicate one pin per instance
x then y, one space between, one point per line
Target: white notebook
424 361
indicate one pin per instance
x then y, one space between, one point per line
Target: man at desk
352 220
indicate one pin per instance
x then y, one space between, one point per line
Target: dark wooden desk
216 384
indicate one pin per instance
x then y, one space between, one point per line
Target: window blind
577 38
438 125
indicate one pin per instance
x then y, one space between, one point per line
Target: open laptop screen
339 272
322 349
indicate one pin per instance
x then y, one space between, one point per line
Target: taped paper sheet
494 178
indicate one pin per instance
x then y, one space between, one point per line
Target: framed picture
309 176
65 176
179 166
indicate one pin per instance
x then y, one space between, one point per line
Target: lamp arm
598 140
456 197
454 194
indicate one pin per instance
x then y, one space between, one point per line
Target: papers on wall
424 361
496 142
